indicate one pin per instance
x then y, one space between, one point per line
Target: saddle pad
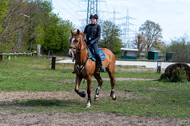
101 53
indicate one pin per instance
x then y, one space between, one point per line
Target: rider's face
93 21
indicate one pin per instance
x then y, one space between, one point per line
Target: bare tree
140 43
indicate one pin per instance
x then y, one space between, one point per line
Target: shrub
164 78
179 75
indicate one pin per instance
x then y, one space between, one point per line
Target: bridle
79 67
77 49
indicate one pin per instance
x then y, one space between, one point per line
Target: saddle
92 56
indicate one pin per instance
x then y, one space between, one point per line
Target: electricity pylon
92 8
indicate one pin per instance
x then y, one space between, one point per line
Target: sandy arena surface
8 118
14 118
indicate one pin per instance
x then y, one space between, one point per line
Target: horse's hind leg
110 71
100 81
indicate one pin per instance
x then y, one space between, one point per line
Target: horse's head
76 42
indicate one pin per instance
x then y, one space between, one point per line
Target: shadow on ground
40 102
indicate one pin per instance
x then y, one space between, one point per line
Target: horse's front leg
89 92
78 81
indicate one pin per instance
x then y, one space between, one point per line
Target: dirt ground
58 95
12 118
108 79
87 119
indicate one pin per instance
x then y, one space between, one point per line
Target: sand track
87 119
15 118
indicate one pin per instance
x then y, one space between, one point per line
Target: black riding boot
97 56
99 62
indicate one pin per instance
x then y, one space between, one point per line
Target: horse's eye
76 40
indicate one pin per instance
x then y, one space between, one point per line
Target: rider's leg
98 58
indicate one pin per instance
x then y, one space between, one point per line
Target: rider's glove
91 42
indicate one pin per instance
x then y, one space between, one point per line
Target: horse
85 68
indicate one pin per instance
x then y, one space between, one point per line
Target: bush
164 78
179 75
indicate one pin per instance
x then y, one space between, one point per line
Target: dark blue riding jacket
93 32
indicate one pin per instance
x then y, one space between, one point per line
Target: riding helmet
95 16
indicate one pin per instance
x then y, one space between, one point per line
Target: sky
172 15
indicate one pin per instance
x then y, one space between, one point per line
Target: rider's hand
91 42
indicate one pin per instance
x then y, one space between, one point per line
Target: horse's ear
78 31
72 32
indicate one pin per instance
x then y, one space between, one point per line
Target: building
152 55
129 53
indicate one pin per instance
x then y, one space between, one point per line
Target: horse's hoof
113 97
82 94
88 106
96 97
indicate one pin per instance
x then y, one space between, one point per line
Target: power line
127 31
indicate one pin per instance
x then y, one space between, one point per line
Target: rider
93 32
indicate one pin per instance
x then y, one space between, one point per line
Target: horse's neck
81 57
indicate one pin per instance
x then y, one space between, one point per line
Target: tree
161 46
141 43
40 35
152 33
57 35
12 24
3 9
180 48
25 23
111 37
40 16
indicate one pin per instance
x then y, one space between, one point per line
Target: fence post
1 57
53 63
38 49
9 57
48 54
158 66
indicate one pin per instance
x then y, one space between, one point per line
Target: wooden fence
53 63
14 54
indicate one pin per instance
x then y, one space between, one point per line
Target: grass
148 98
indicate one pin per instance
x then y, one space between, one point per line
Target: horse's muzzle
69 54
